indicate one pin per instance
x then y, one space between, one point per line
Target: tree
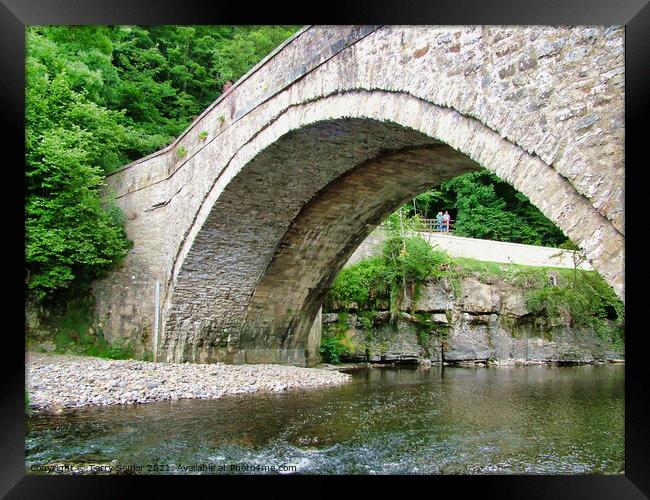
98 97
577 257
489 208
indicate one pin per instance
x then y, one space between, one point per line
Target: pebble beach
57 382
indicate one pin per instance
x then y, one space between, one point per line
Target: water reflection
537 419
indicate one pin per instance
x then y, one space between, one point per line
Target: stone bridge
249 215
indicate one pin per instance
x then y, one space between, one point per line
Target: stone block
330 318
434 296
468 343
440 318
479 297
514 304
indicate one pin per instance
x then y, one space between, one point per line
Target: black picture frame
634 14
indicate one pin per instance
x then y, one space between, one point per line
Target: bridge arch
278 226
248 231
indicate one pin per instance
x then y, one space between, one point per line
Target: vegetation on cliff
405 262
391 282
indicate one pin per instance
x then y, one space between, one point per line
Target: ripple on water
393 421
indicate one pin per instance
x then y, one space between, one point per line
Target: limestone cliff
476 323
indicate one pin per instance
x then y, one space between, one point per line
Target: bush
409 261
337 341
591 303
331 349
495 224
559 301
405 261
529 278
362 283
412 259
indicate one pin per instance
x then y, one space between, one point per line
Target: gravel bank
55 382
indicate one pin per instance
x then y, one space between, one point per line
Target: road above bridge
485 250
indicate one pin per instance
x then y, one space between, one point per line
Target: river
411 420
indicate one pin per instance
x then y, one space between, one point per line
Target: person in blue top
439 221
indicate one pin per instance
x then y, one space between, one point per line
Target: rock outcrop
484 323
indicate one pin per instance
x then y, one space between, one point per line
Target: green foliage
405 263
568 245
493 223
181 152
71 235
587 299
400 222
203 135
362 283
331 349
74 334
408 262
466 266
98 97
413 259
336 342
559 301
528 278
247 46
99 349
148 356
489 208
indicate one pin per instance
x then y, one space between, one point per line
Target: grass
181 152
507 272
88 345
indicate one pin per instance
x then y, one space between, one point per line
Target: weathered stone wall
542 107
486 322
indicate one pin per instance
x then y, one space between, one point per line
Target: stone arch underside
322 238
283 219
310 167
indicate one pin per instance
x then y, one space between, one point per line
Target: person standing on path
439 221
445 221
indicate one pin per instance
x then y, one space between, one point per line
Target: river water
437 420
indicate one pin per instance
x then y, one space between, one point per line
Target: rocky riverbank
57 382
